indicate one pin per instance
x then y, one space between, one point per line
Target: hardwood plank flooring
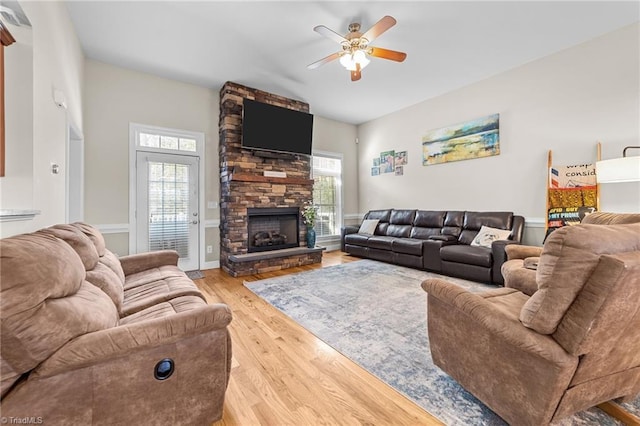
281 374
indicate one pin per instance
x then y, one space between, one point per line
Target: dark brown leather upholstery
436 240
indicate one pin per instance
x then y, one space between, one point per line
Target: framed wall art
472 139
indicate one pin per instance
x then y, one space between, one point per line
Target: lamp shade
625 169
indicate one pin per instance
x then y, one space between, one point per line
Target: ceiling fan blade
321 29
323 61
379 27
357 74
393 55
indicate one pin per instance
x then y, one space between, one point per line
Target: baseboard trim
214 264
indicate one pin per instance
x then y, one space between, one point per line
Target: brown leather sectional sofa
438 241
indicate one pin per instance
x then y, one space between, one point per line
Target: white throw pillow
368 226
488 235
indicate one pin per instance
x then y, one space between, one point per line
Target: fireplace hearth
272 228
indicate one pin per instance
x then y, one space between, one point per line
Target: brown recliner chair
88 338
572 345
519 271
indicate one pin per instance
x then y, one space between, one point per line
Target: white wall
16 187
338 137
57 64
565 102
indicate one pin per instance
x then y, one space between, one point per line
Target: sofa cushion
165 309
112 262
383 217
94 235
407 246
106 280
402 217
474 221
453 223
380 242
487 235
472 255
143 296
569 257
401 231
356 239
368 226
78 241
152 275
429 218
421 233
45 301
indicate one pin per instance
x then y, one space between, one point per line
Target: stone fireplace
245 190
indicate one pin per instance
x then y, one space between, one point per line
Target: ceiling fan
356 48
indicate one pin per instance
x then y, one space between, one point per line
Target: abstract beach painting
472 139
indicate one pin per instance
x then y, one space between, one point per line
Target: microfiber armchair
88 338
573 344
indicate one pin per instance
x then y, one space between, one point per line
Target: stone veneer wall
242 184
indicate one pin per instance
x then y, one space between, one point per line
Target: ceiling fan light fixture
356 50
360 57
351 60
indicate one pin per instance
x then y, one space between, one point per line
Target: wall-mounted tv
272 128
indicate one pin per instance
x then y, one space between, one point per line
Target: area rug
375 314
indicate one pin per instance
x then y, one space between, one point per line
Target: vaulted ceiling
267 45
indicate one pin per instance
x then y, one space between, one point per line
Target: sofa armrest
517 251
499 255
135 263
103 345
346 230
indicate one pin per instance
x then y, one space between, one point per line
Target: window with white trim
327 193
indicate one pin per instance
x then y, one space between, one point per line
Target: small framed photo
401 158
375 171
386 161
399 171
376 162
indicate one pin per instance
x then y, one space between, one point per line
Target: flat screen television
272 128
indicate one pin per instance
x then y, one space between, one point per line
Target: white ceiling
267 45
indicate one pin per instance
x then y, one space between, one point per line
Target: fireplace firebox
272 228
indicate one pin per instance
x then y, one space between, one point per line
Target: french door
167 205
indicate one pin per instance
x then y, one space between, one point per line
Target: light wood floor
283 375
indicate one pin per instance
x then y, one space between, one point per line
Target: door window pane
152 141
168 142
169 207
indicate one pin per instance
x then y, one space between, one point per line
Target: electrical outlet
209 249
